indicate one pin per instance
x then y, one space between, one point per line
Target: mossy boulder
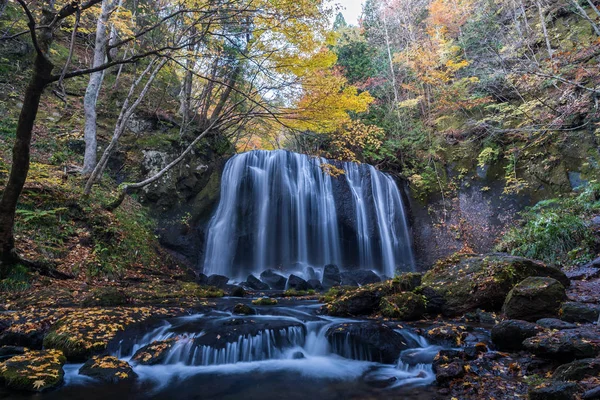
408 281
509 335
364 300
243 309
33 371
553 391
264 301
535 298
566 345
577 370
405 306
468 282
154 353
108 369
579 312
106 297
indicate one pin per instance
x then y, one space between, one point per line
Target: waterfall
280 210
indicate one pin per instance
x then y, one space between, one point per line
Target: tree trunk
544 28
586 16
20 160
3 4
93 89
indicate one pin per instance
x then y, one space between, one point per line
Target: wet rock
446 334
29 335
296 283
33 371
380 381
155 353
315 284
256 284
553 323
264 301
583 273
202 279
580 312
108 369
359 277
331 276
409 281
535 298
405 306
311 273
565 345
298 355
236 291
592 394
7 352
577 370
368 341
469 282
448 365
218 281
363 301
4 325
434 301
509 335
243 309
553 391
274 280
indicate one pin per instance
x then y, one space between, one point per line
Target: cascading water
281 210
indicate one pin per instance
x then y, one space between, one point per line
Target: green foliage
557 230
17 280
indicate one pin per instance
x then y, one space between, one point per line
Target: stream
286 351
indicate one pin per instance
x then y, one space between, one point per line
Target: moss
408 281
298 293
243 309
264 301
106 297
108 369
404 306
33 371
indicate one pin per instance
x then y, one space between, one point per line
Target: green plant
557 230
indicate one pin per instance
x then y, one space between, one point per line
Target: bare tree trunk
126 112
584 15
93 89
3 4
544 28
591 3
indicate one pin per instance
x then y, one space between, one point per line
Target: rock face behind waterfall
280 210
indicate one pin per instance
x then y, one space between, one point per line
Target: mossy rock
154 353
469 282
408 281
33 371
264 301
364 300
243 309
404 306
535 298
106 297
108 369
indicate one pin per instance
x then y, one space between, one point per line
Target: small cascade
281 210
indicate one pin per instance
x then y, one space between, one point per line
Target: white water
280 210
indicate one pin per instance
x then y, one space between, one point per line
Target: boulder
359 277
577 370
311 273
201 279
565 345
434 301
236 291
108 369
368 341
256 284
363 301
33 371
509 335
409 281
554 323
553 391
274 280
583 273
155 353
331 276
469 282
296 283
4 325
243 309
7 352
448 365
535 298
315 284
579 312
218 281
405 306
446 334
592 394
26 335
